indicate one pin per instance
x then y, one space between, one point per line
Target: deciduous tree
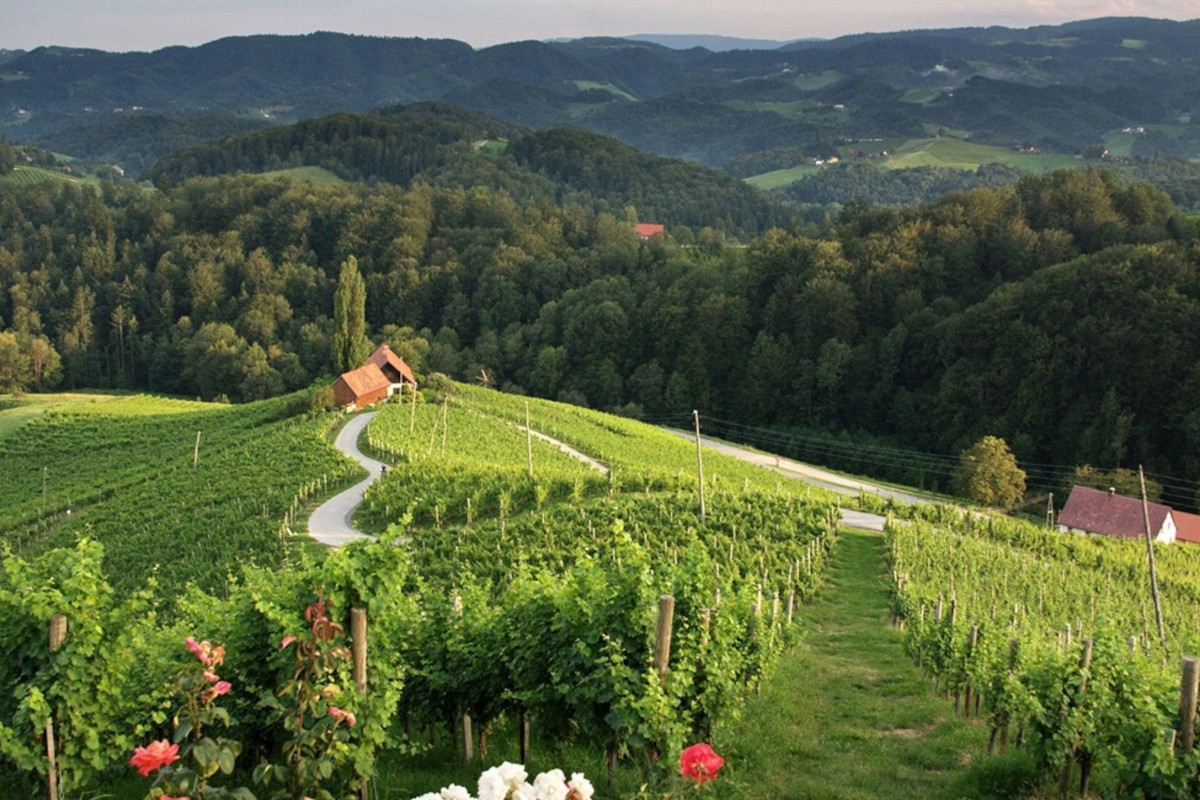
988 473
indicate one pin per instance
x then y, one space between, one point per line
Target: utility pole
1162 635
528 439
699 462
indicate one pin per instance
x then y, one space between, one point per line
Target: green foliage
350 343
103 687
121 472
989 474
1048 592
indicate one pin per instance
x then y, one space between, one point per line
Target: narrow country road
330 522
817 477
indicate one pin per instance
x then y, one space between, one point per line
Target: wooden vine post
662 636
1189 684
358 655
1162 634
1085 758
196 451
528 439
58 635
972 642
699 462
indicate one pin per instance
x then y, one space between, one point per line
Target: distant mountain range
1129 84
717 44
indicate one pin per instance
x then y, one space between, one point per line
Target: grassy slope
16 411
848 715
934 152
317 175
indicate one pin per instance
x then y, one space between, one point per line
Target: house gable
1094 511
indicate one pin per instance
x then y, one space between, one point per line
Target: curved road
817 477
330 522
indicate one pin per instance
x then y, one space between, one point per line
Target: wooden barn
361 387
394 369
1110 514
384 374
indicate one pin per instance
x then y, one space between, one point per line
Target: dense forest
1061 312
442 145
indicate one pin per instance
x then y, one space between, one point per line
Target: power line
1041 476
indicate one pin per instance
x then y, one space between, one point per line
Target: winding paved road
817 477
330 522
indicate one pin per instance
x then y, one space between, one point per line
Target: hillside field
933 152
511 581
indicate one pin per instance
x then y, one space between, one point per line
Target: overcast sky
151 24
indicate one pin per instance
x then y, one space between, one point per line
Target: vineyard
1053 639
177 491
512 587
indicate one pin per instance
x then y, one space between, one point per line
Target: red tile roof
1187 526
364 380
646 230
1109 513
392 365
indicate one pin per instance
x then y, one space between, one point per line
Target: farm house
1110 514
361 387
384 374
393 367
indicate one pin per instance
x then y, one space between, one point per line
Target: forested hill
1125 84
1061 313
445 146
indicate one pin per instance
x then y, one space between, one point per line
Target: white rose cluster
509 782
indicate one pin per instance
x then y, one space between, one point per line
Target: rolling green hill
995 84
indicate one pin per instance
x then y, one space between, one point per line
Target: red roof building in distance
393 366
647 230
1187 526
1094 511
361 387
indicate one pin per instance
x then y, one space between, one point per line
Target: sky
123 25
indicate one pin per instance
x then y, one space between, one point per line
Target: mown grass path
847 715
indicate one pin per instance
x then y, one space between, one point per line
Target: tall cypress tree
350 344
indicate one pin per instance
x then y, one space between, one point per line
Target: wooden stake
468 739
196 451
699 462
662 636
445 421
412 415
1189 684
58 634
358 647
358 655
524 737
528 439
1162 634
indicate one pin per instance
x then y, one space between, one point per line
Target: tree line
1061 313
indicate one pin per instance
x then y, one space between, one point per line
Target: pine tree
350 344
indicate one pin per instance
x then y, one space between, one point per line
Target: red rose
154 755
700 763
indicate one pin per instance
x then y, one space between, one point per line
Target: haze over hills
717 44
1129 84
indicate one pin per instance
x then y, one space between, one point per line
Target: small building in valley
384 374
1110 514
360 387
648 230
393 367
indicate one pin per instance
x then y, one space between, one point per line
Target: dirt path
847 715
330 523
